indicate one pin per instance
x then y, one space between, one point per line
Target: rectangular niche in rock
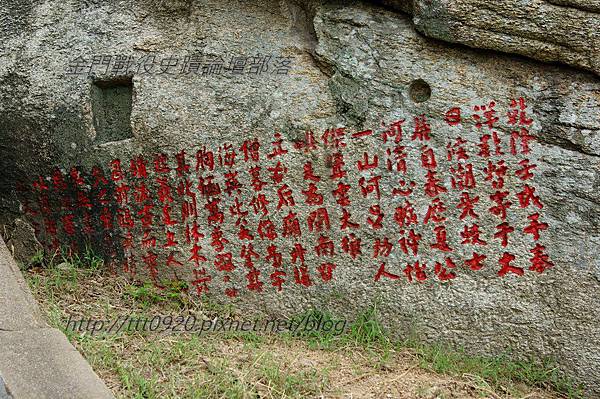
111 109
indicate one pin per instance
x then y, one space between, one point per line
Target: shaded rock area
362 66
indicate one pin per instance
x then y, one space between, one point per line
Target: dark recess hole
111 108
419 91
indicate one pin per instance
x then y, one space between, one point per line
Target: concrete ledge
37 361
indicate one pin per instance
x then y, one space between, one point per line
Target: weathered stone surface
354 66
22 242
566 31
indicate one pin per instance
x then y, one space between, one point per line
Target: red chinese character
405 215
345 221
256 183
218 242
507 267
503 230
539 261
341 194
382 247
525 172
402 191
266 230
370 186
412 241
324 247
277 279
432 186
259 203
351 245
375 224
501 205
207 187
285 197
124 218
309 173
434 212
337 163
182 167
528 195
419 272
524 138
251 148
224 262
518 115
453 117
68 224
164 190
193 233
98 176
76 176
232 183
146 216
274 256
161 164
399 159
334 137
319 220
495 173
171 261
441 238
298 253
312 196
428 158
489 115
291 226
227 155
148 241
535 226
141 193
205 159
326 270
171 242
116 173
247 253
457 150
301 276
393 131
277 147
254 284
381 272
215 215
462 177
137 167
422 129
106 218
365 164
278 171
471 235
201 280
443 273
476 262
58 180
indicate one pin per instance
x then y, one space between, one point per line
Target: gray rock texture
561 30
361 66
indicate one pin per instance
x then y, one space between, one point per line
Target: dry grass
242 365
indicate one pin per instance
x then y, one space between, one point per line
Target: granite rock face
366 68
563 31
